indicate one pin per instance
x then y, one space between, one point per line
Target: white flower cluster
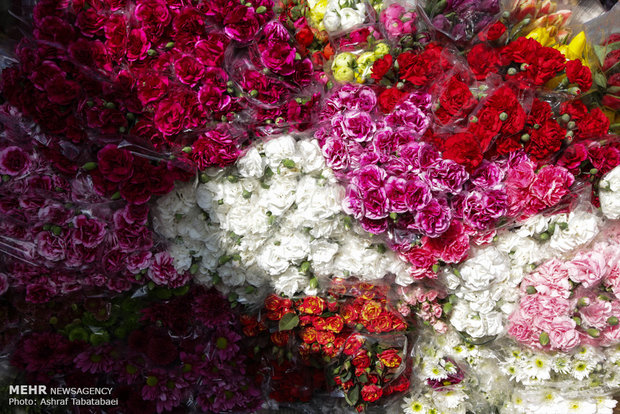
609 194
344 15
274 220
486 283
505 378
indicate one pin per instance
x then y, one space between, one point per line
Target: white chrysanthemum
581 407
538 367
581 369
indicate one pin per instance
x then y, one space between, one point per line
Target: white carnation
609 194
251 164
582 228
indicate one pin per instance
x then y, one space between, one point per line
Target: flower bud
503 116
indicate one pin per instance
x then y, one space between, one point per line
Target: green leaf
353 395
345 377
600 52
288 321
600 80
363 379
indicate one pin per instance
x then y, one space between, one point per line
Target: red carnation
463 148
381 67
371 393
579 74
389 98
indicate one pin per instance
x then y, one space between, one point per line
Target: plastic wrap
352 332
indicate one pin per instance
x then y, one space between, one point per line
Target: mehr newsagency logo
42 395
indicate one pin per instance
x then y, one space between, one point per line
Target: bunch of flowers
398 21
484 288
352 331
607 78
61 235
339 15
502 377
356 65
567 304
430 304
427 202
609 194
460 20
276 220
142 345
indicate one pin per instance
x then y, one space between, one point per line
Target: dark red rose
115 164
389 98
463 148
483 60
381 67
579 74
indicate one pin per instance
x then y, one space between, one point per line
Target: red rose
308 334
370 311
389 98
334 323
594 125
371 393
325 337
579 74
463 148
115 164
483 60
304 36
456 98
274 302
381 67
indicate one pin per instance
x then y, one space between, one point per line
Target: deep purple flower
336 153
353 202
417 195
355 125
95 360
162 271
396 190
487 175
88 231
50 246
165 388
374 226
410 119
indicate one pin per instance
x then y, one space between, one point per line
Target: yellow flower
575 48
381 50
344 74
542 35
317 12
